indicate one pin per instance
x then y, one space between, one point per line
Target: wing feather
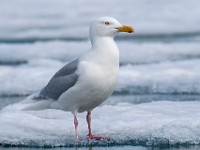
64 79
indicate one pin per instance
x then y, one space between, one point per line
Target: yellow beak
125 28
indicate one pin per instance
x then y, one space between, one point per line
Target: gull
86 82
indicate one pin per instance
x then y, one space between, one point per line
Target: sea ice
154 123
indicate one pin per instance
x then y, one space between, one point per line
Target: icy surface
159 62
151 123
130 52
46 50
169 77
35 19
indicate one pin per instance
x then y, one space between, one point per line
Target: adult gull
86 82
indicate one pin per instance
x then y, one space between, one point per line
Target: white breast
98 75
94 86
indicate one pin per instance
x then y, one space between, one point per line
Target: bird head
108 27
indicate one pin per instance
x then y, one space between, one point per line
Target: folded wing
64 79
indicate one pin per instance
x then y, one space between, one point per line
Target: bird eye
106 23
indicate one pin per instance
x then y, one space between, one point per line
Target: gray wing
64 79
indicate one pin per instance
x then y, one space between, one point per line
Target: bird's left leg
76 125
90 135
88 118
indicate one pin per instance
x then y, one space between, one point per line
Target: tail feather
38 105
29 104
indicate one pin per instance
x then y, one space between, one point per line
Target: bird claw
92 137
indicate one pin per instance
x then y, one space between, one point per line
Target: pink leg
90 135
76 125
88 118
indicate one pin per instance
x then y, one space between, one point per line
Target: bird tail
30 103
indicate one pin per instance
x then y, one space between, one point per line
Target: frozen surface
26 79
95 148
169 77
154 123
49 19
46 50
159 62
130 51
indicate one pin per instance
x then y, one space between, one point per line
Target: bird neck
106 48
104 43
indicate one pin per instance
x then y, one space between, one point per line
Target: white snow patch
171 122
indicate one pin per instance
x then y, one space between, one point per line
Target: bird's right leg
76 125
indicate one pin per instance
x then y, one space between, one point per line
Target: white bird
86 82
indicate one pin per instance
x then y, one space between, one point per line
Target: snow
45 50
130 52
155 123
159 62
49 19
168 77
